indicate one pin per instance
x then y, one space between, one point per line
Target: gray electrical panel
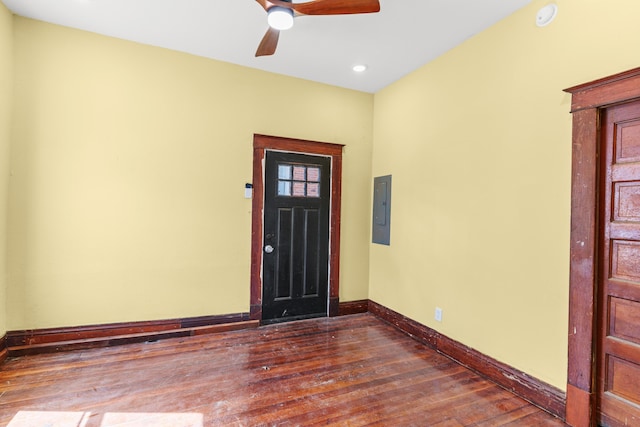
381 210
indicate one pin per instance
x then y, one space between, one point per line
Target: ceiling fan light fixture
280 18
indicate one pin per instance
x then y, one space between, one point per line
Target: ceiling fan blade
330 7
269 42
264 3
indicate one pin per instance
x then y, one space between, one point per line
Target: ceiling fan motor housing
280 18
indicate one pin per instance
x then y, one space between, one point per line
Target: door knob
268 249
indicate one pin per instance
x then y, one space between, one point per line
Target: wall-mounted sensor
248 191
546 15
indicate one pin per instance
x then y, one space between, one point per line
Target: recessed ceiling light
546 15
359 68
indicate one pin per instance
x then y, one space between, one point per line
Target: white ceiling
404 35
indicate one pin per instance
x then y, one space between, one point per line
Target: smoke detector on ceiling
546 15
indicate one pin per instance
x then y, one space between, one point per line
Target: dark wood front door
619 286
296 236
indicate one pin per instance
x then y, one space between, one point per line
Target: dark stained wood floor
348 371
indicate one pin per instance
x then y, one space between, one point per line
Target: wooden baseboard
353 307
410 327
36 341
541 394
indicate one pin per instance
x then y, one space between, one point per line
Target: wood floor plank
349 371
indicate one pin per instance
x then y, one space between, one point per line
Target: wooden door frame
587 102
262 143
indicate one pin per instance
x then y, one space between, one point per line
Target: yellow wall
129 164
6 88
479 146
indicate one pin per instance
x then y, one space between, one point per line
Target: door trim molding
587 100
262 143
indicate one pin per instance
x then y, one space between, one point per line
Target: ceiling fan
281 12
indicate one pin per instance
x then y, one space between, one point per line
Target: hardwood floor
349 371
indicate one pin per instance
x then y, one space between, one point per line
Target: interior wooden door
296 236
619 286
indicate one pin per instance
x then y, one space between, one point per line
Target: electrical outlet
438 314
